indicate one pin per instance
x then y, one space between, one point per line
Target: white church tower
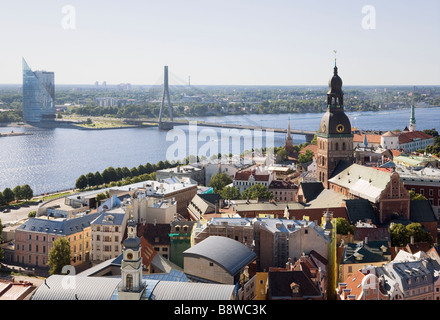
132 286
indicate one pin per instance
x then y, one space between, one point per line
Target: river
51 160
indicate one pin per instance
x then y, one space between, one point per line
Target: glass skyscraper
38 95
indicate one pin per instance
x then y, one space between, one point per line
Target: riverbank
14 134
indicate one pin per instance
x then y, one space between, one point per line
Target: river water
51 160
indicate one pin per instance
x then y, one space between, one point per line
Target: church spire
412 120
288 145
335 96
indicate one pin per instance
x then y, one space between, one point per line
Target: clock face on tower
340 128
129 256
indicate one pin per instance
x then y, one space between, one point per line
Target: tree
119 173
26 192
306 157
126 172
98 178
17 193
257 191
91 181
160 165
219 181
401 235
81 182
59 256
8 195
416 196
99 197
134 172
230 193
343 227
282 154
141 169
148 168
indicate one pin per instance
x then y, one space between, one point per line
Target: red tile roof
396 153
371 138
406 137
311 147
244 175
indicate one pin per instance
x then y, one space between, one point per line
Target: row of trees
111 174
23 192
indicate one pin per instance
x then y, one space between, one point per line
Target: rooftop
63 227
230 254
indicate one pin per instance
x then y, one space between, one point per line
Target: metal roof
110 218
172 290
65 287
230 254
63 227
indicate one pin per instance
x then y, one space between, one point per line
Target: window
129 282
211 264
431 193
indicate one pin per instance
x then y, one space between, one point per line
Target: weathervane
335 56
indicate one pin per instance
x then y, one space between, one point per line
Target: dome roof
335 122
335 82
132 243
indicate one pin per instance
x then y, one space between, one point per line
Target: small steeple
288 145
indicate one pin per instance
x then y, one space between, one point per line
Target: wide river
51 160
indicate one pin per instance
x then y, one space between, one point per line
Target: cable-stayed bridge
167 123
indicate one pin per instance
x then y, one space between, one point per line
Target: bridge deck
169 124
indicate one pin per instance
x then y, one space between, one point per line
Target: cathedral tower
334 137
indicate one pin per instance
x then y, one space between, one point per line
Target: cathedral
334 137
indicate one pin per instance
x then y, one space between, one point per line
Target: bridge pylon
165 94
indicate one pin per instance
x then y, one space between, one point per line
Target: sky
227 42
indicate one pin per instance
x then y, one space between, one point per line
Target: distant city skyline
240 42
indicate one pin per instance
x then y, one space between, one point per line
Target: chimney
411 240
289 264
366 240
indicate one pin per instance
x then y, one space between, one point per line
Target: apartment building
34 239
107 233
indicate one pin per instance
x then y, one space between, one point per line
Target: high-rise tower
38 95
334 137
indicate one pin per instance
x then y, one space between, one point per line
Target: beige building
107 234
150 209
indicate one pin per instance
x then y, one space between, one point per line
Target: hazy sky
238 42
